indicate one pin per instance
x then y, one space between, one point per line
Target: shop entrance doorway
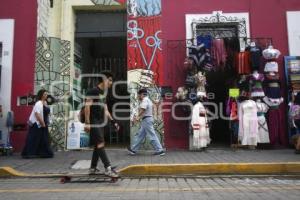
101 45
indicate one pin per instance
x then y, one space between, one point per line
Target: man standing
96 117
145 114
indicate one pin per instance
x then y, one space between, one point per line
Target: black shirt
255 57
97 108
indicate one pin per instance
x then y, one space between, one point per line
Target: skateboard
66 178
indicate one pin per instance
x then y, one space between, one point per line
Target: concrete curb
188 169
10 172
212 168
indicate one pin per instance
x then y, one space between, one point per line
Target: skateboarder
145 114
96 117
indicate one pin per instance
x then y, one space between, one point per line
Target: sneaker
111 173
160 153
131 152
94 170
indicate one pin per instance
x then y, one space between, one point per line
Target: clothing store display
232 109
243 85
242 62
263 131
277 131
273 103
214 65
270 53
218 53
248 123
206 40
232 44
188 64
200 126
201 82
255 56
256 85
190 80
273 86
197 53
271 66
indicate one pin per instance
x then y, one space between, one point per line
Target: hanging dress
248 123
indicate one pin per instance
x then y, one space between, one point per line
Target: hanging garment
207 63
276 127
273 86
256 85
248 123
263 131
255 57
232 109
206 40
232 46
197 53
200 126
270 53
218 53
190 80
242 63
273 103
244 86
271 67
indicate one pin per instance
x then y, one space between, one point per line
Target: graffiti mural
144 61
52 72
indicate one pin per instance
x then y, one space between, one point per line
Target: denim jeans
146 129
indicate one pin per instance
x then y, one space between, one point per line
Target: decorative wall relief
52 72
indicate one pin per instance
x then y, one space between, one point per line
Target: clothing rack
261 41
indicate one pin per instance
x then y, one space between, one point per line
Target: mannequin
200 138
248 123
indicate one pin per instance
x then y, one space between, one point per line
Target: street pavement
219 188
64 160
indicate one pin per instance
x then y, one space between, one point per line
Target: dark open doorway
101 38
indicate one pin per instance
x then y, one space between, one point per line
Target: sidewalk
182 161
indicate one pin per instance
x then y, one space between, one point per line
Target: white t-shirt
147 105
38 108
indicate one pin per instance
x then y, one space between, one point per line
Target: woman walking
37 142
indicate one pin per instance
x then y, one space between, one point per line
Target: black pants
99 152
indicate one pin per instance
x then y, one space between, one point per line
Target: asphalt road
180 188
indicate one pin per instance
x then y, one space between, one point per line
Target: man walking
96 117
145 114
